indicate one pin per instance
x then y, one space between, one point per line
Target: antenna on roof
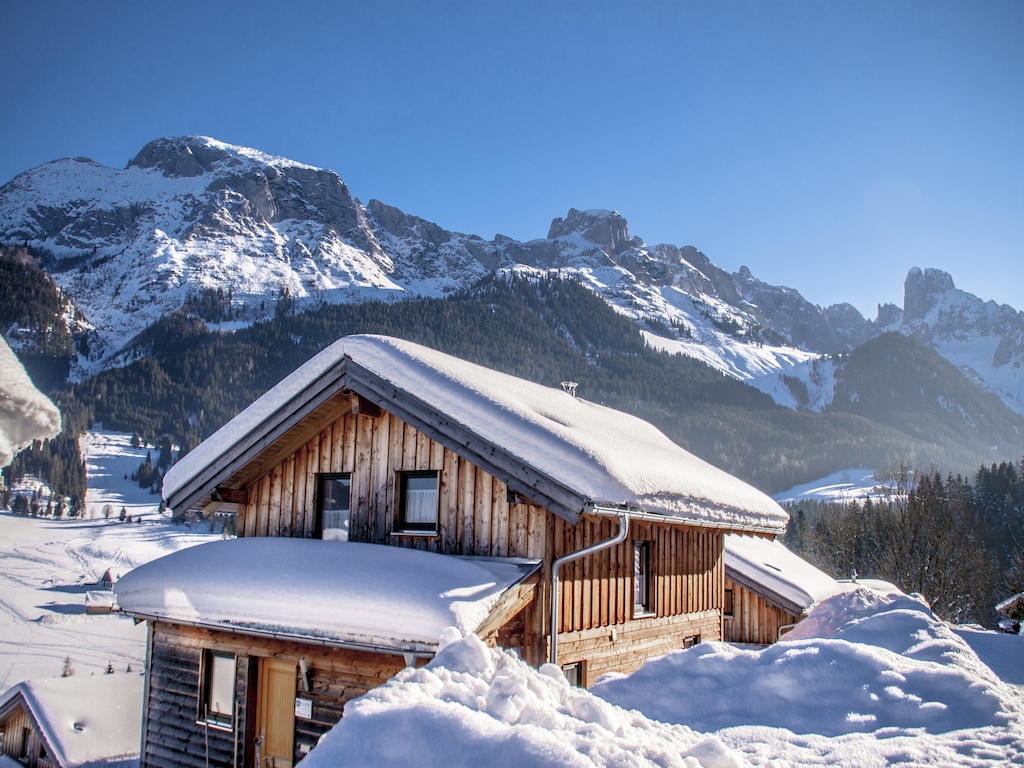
570 387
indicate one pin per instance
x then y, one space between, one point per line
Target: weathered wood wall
625 648
173 737
477 518
21 739
754 620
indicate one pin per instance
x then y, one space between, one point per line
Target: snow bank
860 663
906 691
26 414
476 707
828 687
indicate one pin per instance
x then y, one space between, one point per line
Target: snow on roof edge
595 451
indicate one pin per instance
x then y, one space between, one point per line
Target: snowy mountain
193 214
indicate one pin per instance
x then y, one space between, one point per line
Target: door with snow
276 723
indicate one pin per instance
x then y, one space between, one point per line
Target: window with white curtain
418 501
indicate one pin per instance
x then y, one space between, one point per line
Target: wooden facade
753 619
175 732
20 737
662 587
478 516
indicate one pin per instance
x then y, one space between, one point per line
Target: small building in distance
83 721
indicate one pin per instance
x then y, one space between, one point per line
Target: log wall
475 516
174 739
21 739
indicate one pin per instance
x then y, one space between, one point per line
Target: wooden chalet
769 589
73 722
608 538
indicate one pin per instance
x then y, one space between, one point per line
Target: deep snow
868 680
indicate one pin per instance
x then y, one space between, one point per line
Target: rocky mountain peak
922 291
180 157
607 229
190 156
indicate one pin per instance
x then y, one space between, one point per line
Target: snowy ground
47 567
868 680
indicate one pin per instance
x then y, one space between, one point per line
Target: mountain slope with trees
187 379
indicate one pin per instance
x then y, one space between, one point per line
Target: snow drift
870 680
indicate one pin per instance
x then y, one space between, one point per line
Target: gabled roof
778 575
344 594
557 450
83 720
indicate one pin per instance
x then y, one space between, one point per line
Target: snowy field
867 680
47 567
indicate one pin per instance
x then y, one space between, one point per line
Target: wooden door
276 713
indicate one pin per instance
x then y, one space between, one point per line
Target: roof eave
771 597
387 646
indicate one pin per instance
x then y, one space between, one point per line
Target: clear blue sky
829 146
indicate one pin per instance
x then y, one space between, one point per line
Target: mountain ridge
191 214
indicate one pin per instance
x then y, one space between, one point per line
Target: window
417 506
333 507
574 672
691 641
217 695
642 604
727 609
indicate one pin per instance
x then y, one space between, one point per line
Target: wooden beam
361 406
231 495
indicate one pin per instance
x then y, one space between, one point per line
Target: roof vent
570 387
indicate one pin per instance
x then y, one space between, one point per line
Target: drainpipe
623 515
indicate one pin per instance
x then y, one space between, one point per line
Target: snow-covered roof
559 450
84 720
337 593
782 577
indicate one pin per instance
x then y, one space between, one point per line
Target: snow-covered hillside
192 213
50 568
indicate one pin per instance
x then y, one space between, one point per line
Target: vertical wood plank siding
754 620
476 518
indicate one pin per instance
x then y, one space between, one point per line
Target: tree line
957 541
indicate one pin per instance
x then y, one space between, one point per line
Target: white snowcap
595 453
343 593
26 414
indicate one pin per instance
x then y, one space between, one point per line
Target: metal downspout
623 516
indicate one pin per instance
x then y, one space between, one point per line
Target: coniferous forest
187 379
959 540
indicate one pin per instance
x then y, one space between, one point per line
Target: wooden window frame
204 716
576 673
729 603
643 604
405 527
318 501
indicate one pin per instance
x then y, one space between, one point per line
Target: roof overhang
771 597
